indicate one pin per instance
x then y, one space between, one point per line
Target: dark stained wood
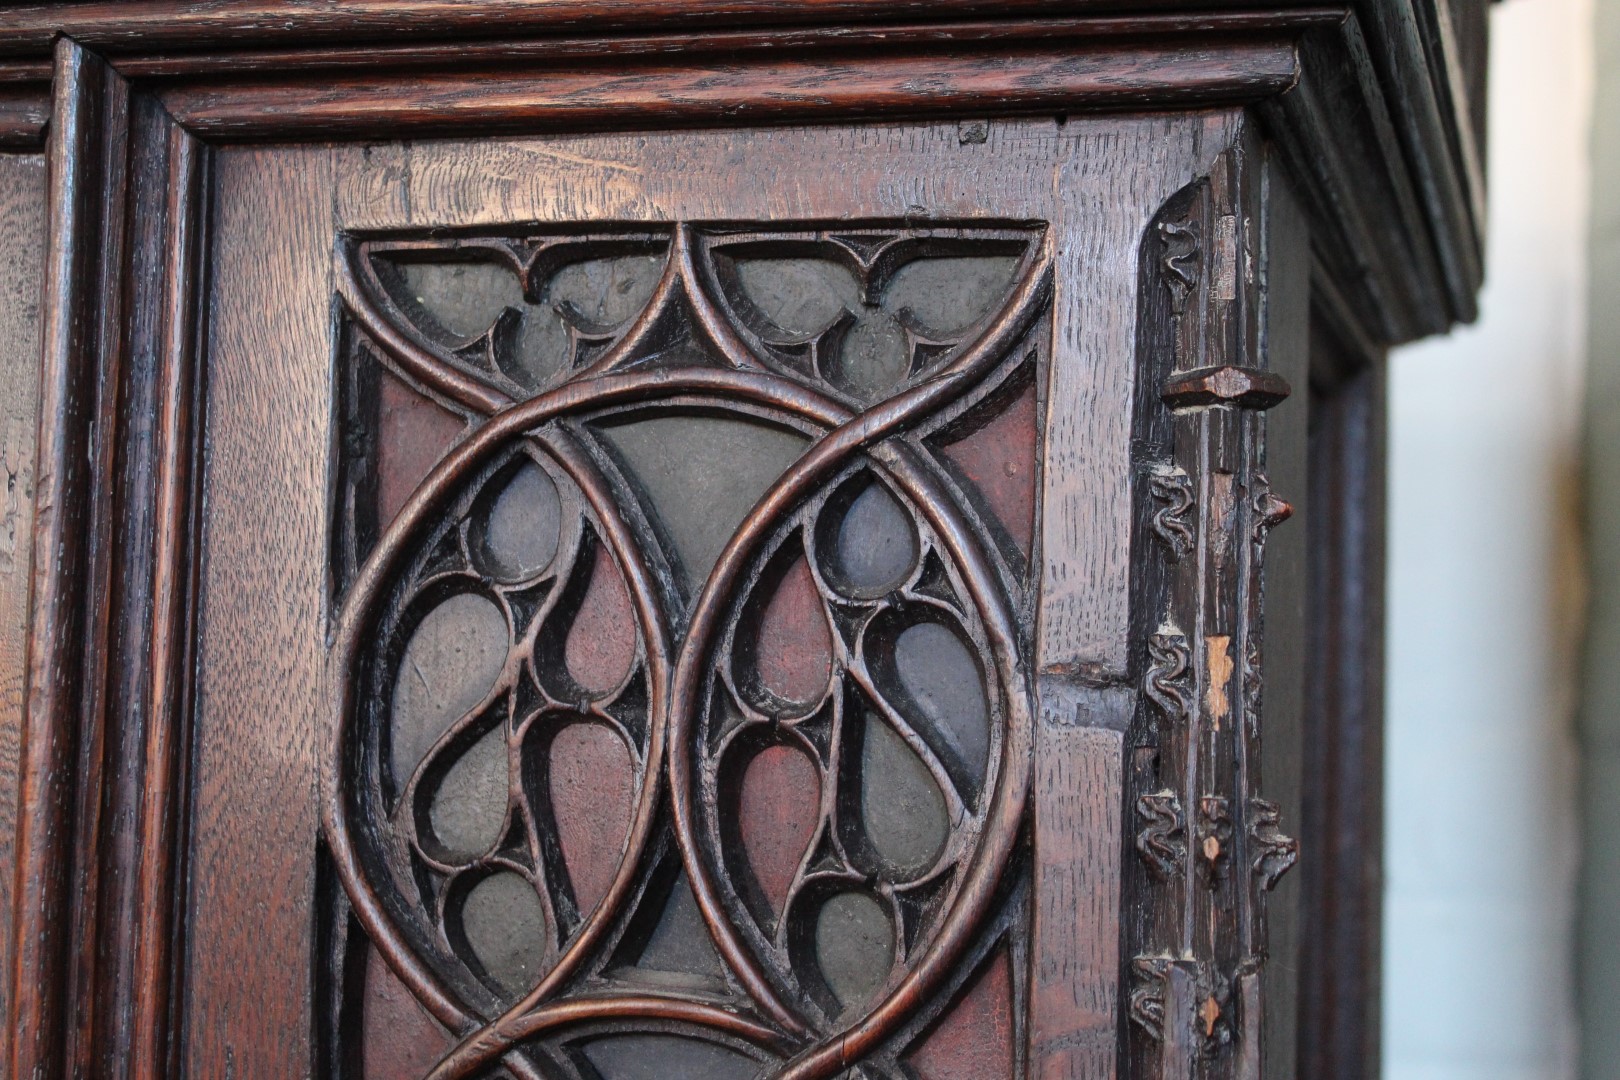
22 233
398 1037
82 158
733 44
194 626
24 112
1342 886
248 919
116 27
1018 80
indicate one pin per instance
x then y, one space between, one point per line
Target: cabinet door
627 566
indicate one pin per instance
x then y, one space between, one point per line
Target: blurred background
1502 914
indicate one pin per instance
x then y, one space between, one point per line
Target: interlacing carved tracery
784 653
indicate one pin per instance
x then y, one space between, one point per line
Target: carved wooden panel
684 715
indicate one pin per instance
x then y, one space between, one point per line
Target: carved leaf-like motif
730 763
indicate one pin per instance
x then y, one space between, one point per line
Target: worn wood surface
140 796
22 232
1010 80
1341 888
262 617
735 45
59 732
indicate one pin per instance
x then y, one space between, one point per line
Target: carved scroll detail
1172 491
1162 839
1269 510
1166 683
1150 986
1183 253
1205 391
1275 853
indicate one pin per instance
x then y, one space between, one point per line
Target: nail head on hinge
1247 388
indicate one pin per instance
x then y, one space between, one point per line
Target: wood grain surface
262 618
22 234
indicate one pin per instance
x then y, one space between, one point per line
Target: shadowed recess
398 1036
792 650
665 1057
998 462
449 665
944 696
679 944
873 545
469 807
854 947
504 925
413 433
701 475
521 525
778 811
592 783
903 811
602 640
974 1039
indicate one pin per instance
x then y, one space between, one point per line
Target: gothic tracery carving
789 654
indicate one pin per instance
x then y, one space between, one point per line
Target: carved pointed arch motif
621 767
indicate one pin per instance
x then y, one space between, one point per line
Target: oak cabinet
708 539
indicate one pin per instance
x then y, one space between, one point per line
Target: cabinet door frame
128 110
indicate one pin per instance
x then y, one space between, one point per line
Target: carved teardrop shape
788 652
450 664
799 297
450 303
591 780
903 822
868 543
777 814
503 923
854 947
942 694
602 639
520 527
468 811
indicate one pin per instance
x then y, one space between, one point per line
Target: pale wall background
1485 579
1598 943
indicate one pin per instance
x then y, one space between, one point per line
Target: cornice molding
1363 98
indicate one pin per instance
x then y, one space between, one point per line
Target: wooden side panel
22 238
259 713
1115 185
1286 349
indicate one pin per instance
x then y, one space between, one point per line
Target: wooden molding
1021 80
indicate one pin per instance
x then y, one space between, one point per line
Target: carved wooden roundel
681 714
